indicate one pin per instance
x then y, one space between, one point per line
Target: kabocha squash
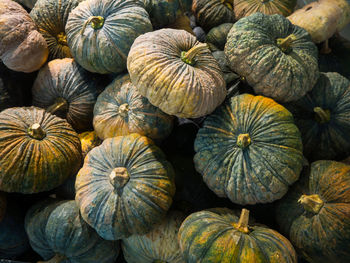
100 33
316 213
229 75
65 89
120 110
159 245
125 187
58 233
22 47
38 150
249 150
276 58
221 235
176 73
323 118
217 36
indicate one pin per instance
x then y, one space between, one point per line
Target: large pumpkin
276 58
176 73
249 150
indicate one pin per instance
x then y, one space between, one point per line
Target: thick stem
311 203
60 105
123 110
36 132
119 177
62 39
189 56
56 259
96 22
285 43
321 115
242 224
243 140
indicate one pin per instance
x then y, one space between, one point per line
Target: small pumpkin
217 36
163 12
221 235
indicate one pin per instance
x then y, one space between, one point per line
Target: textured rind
328 140
159 244
261 172
156 69
28 165
64 78
322 237
105 50
142 117
56 227
217 36
253 53
209 236
141 203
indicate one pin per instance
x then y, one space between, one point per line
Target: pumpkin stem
56 259
311 203
243 140
285 43
123 110
228 3
242 224
35 131
321 115
119 177
60 105
95 21
62 39
189 56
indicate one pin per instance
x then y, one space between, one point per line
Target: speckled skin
160 244
105 50
29 165
253 53
210 236
141 116
118 212
56 228
217 36
177 88
324 236
22 47
262 171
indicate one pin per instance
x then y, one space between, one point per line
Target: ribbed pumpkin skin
324 141
160 244
177 88
112 118
209 236
28 165
254 54
64 78
55 228
217 36
118 212
323 236
105 50
262 171
51 17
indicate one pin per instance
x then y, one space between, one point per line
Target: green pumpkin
217 36
229 75
316 213
58 234
276 58
249 150
100 33
125 187
221 235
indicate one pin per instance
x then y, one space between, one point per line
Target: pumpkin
100 33
182 22
323 118
27 3
58 233
211 13
159 245
249 150
22 47
276 58
176 73
120 110
316 213
67 90
217 36
229 75
125 187
221 235
38 150
3 203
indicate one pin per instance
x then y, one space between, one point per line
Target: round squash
163 12
249 150
100 33
125 187
22 47
3 203
316 213
217 36
38 150
221 235
276 58
176 73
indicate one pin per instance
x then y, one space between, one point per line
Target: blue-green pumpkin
249 150
217 36
59 234
100 33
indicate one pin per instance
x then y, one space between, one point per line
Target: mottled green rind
322 237
261 172
217 36
163 12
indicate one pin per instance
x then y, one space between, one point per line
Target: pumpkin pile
174 131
